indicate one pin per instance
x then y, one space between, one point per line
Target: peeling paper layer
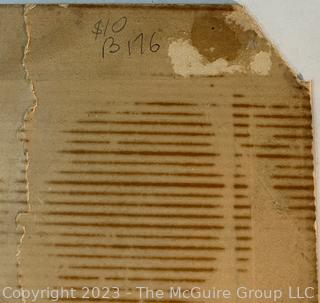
152 152
186 60
261 64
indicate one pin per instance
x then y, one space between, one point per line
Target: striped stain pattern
142 201
283 142
241 204
143 193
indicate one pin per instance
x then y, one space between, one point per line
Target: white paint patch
186 61
261 63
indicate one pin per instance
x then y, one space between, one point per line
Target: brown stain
212 30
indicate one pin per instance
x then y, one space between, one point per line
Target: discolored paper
163 147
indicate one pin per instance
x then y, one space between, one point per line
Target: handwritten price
111 44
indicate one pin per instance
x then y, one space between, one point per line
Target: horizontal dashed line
243 238
137 225
133 132
243 105
139 153
241 135
168 123
167 103
136 204
239 186
164 258
88 142
136 173
78 277
242 259
80 235
238 115
142 268
284 126
176 237
130 215
153 163
279 116
139 247
135 194
308 167
144 113
166 279
166 143
137 184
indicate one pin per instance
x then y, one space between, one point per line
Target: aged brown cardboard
15 100
162 147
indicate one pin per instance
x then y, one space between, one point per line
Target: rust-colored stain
214 37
